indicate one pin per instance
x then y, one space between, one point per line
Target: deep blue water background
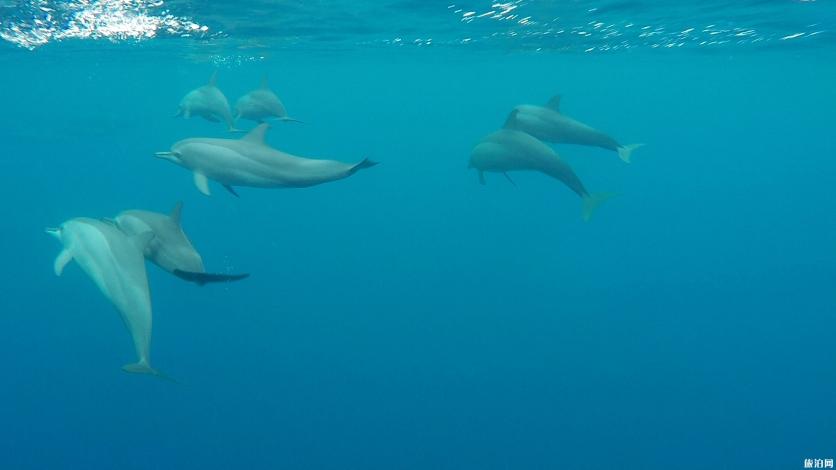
408 317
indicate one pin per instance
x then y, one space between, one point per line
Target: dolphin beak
163 154
55 232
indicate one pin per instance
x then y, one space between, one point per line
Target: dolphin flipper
61 261
206 278
202 183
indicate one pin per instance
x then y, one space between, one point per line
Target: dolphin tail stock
142 367
625 151
366 163
202 279
591 202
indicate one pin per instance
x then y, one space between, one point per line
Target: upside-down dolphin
548 124
511 150
209 103
249 161
170 249
115 263
261 104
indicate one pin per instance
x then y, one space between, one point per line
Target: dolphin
249 161
170 248
548 124
260 104
114 261
511 150
209 103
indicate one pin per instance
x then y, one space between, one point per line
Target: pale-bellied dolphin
170 249
261 104
209 103
249 161
548 124
115 263
511 150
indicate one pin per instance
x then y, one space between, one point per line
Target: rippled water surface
583 25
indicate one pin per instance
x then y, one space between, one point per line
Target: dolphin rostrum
115 263
249 161
170 249
261 104
511 150
548 124
209 103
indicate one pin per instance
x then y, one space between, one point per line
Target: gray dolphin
249 161
261 104
548 124
511 150
209 103
170 249
115 263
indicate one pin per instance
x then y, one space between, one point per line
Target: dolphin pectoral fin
625 151
508 177
591 202
231 190
202 183
554 103
290 119
482 178
142 367
61 261
202 279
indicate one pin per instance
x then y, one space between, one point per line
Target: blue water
408 317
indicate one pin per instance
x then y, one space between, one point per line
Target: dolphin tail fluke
625 151
366 163
591 202
202 279
142 367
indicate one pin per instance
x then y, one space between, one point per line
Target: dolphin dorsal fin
177 212
256 136
509 121
213 80
554 103
263 84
